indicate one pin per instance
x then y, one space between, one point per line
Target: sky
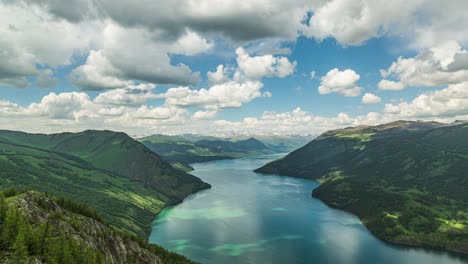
230 67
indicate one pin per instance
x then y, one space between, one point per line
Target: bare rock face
116 247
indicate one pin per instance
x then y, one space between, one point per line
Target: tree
10 227
3 210
20 249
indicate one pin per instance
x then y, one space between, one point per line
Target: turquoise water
253 218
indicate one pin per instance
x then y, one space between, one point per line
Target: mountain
459 122
195 148
280 143
406 180
125 181
181 137
38 228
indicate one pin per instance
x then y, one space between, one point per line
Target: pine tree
20 249
43 238
10 228
3 209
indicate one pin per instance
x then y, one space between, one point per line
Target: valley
188 148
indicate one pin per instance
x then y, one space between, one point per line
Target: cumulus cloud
238 21
191 43
46 79
220 96
440 65
24 47
359 20
76 111
296 121
390 85
120 61
423 23
131 95
258 67
202 115
225 92
451 101
341 82
59 106
219 76
370 98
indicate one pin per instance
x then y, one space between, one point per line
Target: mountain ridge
202 148
87 167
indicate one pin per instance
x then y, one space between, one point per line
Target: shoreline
457 254
461 254
168 205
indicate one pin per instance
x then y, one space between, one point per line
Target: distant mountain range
407 181
279 143
190 148
125 181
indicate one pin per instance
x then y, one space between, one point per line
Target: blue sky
88 65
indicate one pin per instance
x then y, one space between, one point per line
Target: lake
254 218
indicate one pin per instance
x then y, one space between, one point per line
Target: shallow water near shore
254 218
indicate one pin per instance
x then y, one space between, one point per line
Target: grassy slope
37 228
199 149
95 174
407 185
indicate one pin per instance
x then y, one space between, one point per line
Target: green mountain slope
90 167
191 149
117 153
406 180
37 228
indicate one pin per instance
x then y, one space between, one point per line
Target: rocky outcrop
114 246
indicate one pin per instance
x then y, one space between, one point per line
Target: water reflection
252 218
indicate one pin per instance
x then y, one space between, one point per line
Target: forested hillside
126 182
38 228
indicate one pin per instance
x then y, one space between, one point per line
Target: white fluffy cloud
58 106
440 65
227 95
131 95
258 67
422 23
219 76
30 37
297 121
390 85
202 115
451 101
191 43
352 22
370 98
119 61
341 82
225 92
